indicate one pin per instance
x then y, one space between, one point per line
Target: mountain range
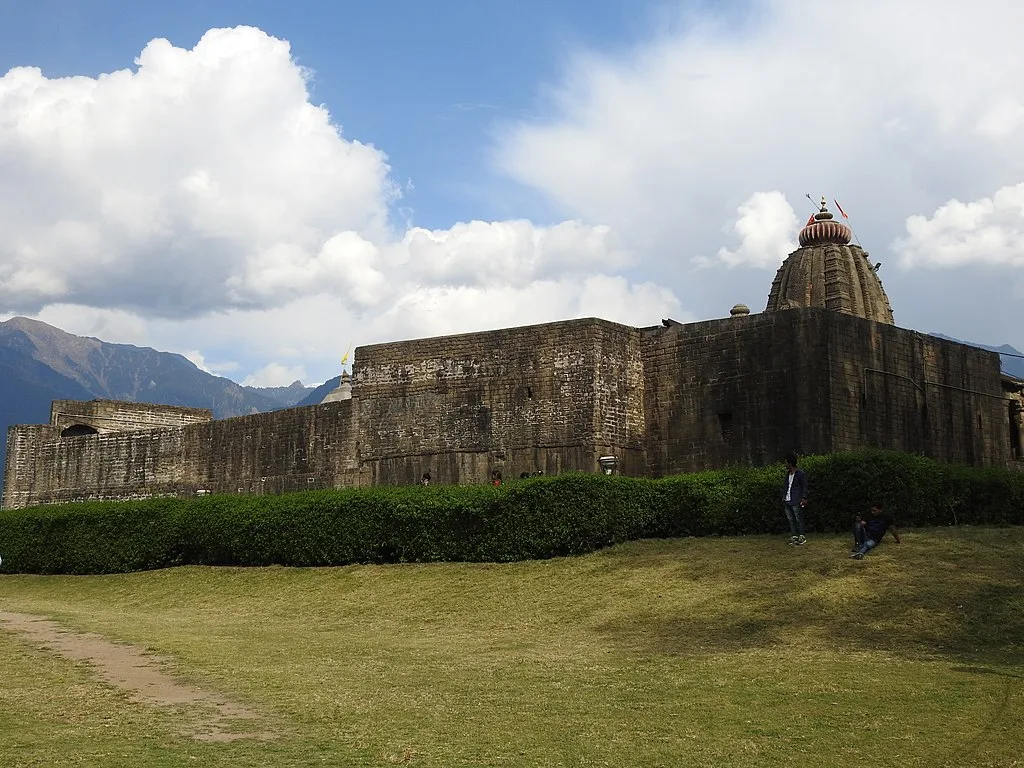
40 363
1011 360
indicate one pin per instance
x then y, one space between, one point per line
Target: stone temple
822 369
826 271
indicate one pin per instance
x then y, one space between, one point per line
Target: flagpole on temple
852 230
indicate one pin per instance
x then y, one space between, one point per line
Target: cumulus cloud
275 375
153 189
765 226
197 359
512 253
986 231
890 109
450 309
204 180
200 198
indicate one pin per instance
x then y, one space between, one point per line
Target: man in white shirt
794 499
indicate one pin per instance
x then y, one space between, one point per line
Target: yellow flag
344 357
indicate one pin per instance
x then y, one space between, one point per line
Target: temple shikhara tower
826 271
822 369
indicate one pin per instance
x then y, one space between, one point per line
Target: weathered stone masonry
264 453
746 390
550 397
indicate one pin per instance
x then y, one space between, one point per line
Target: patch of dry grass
699 652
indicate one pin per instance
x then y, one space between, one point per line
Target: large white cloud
199 202
512 253
765 227
275 375
443 310
894 108
152 189
307 338
986 231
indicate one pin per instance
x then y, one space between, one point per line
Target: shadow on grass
948 599
986 671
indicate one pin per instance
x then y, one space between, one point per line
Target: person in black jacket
868 533
794 499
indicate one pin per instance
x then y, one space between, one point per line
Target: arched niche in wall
78 429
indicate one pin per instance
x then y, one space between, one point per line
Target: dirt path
142 674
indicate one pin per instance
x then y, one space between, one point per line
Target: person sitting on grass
868 534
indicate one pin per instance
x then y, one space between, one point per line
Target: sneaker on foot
857 556
794 539
801 539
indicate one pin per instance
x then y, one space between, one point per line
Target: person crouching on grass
868 534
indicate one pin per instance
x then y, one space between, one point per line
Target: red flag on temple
840 208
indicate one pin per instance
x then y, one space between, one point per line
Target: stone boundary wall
903 390
737 390
750 389
552 398
535 398
620 418
293 449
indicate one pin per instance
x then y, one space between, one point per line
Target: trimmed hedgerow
536 518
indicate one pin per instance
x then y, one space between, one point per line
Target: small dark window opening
79 429
725 424
529 393
979 421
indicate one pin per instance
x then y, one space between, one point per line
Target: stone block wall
620 421
739 390
546 397
902 390
553 397
119 416
750 389
26 478
293 449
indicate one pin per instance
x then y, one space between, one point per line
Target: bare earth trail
141 674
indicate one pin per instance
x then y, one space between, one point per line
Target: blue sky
425 82
487 164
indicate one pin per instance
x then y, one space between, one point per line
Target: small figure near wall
425 480
496 478
794 499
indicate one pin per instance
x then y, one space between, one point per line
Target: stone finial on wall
342 392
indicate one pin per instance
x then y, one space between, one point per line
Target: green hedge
536 518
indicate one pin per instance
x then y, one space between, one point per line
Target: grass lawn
687 652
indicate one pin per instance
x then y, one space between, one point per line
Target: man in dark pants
868 534
794 499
